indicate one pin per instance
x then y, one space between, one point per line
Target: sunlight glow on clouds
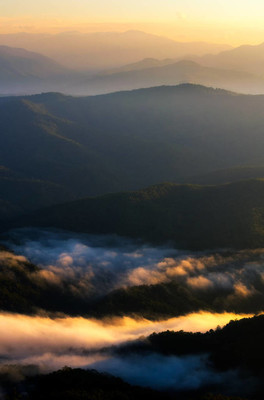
53 343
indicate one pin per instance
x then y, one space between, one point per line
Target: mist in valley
131 200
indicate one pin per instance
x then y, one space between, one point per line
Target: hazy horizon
187 21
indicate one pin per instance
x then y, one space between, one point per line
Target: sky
222 21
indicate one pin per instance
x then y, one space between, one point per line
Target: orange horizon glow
184 33
221 21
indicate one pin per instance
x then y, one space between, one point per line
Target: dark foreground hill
81 384
237 346
190 216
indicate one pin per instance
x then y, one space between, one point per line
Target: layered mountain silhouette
103 50
83 64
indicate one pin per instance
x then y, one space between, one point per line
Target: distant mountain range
247 58
68 147
102 50
239 69
25 72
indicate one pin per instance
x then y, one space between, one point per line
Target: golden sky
222 21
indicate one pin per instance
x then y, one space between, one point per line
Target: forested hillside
126 141
189 216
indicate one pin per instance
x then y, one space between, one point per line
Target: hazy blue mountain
149 73
19 62
25 72
142 64
248 58
22 71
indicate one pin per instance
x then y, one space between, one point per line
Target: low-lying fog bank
48 344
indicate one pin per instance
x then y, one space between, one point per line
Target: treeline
189 216
239 344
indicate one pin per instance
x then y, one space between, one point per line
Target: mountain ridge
189 216
133 139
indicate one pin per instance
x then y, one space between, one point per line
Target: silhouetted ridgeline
73 384
239 344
